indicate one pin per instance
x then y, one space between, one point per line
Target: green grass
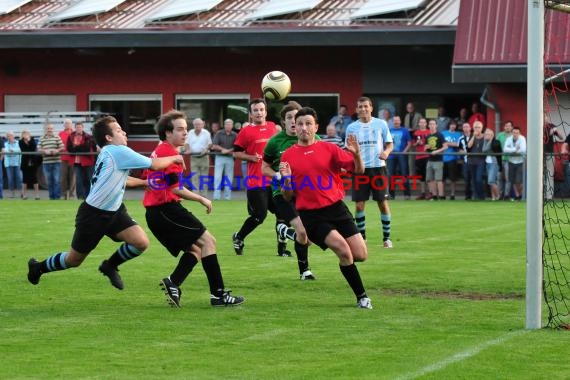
448 304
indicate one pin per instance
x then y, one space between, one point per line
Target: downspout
492 106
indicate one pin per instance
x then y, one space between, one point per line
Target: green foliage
448 304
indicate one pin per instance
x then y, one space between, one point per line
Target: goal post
534 169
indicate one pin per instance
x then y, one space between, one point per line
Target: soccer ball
275 85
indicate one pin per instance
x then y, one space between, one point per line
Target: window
137 114
214 108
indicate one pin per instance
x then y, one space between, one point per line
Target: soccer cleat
238 244
226 299
171 291
282 250
364 303
388 243
307 275
112 273
34 271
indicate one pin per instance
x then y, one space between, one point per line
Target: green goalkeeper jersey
275 148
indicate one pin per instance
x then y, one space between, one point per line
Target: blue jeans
83 176
1 179
224 166
399 162
14 175
52 174
467 179
477 171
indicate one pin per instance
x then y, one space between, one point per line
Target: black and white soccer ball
275 85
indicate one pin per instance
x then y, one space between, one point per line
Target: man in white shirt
197 145
516 143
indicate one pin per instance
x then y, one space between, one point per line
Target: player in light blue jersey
376 144
103 212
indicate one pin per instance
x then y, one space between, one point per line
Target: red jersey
156 195
252 140
64 136
315 173
420 137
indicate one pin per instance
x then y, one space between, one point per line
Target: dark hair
307 111
164 124
292 105
256 101
102 128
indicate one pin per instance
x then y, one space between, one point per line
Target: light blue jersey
454 138
110 175
371 137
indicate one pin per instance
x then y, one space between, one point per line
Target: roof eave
228 38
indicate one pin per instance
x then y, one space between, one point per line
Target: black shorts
451 170
286 210
259 201
378 185
91 224
421 167
175 227
320 222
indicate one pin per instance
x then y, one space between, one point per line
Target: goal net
556 184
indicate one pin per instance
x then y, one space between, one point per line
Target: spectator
412 118
462 118
50 147
223 145
83 143
476 115
12 161
442 120
67 174
516 144
398 164
411 121
463 141
476 160
492 161
197 144
450 160
386 115
30 164
550 136
214 128
504 183
435 146
341 120
332 137
419 141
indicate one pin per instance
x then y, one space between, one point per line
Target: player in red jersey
310 171
249 146
174 226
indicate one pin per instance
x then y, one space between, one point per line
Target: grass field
448 304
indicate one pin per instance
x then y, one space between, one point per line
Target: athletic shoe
226 299
388 243
112 273
282 250
307 275
34 271
285 232
238 244
171 291
364 303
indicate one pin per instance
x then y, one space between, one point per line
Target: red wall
173 71
510 100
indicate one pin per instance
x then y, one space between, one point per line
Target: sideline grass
448 304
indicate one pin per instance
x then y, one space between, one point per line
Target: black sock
248 226
214 274
350 273
124 253
187 262
302 252
54 263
